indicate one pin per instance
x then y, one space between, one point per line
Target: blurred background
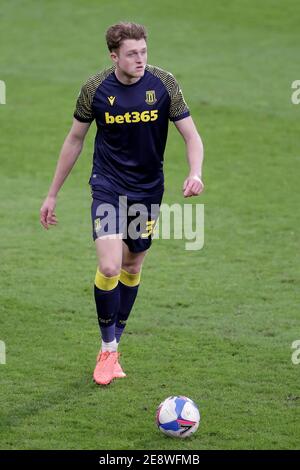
215 325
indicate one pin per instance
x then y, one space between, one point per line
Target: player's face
131 57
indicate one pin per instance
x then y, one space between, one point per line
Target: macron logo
111 100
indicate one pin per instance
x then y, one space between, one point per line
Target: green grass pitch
217 324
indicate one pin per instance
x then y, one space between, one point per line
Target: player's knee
110 270
133 263
133 267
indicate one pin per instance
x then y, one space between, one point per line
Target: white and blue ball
178 417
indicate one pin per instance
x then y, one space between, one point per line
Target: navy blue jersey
132 127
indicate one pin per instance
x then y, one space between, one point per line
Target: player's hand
192 186
47 215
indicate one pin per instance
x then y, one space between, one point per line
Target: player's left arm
193 184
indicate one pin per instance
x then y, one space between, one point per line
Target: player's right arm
70 151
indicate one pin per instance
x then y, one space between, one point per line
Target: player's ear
114 56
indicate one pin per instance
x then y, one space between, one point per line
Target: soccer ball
178 417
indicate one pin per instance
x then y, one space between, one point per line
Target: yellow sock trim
129 279
106 283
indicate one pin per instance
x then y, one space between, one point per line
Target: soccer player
131 103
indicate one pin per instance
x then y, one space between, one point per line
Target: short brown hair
124 30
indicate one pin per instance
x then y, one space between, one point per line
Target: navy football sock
128 288
107 298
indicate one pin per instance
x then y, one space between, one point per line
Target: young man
132 103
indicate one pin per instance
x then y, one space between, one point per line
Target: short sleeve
178 107
83 111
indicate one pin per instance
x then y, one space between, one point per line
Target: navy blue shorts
135 219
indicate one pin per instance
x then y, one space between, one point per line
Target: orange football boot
104 371
118 371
